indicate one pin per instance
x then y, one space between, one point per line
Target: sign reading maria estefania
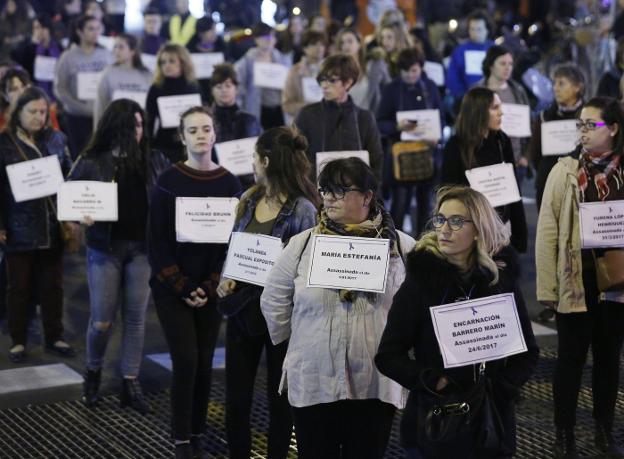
354 263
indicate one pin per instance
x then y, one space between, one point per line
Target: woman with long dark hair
30 233
127 74
478 142
117 267
567 277
281 204
185 277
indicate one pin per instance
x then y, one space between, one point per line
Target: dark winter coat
432 281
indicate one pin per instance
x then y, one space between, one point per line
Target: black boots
132 395
193 449
603 439
90 387
565 444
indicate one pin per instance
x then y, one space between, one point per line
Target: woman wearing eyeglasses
336 123
339 399
464 257
567 277
478 142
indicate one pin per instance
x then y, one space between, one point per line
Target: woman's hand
197 298
406 125
550 304
523 162
226 287
442 383
87 220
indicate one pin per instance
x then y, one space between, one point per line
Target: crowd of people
386 140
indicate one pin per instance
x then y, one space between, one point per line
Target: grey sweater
116 78
73 61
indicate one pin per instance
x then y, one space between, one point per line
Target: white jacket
332 343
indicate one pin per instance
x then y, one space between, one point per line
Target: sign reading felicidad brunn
478 330
354 263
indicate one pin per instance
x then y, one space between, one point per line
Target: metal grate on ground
69 430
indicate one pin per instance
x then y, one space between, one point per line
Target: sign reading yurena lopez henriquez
251 256
601 224
478 330
204 220
354 263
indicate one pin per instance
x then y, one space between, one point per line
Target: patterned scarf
378 225
599 168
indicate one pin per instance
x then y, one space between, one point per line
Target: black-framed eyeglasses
331 80
456 222
589 124
337 192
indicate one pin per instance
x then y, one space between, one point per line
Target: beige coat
292 95
558 242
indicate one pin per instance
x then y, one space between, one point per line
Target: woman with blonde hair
466 256
174 76
393 38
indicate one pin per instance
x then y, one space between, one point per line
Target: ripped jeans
118 278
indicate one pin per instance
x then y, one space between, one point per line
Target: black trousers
35 274
242 356
191 334
348 429
602 326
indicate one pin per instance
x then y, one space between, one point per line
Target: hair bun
299 142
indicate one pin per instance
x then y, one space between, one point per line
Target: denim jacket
30 225
102 168
296 215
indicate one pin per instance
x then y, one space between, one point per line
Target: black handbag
243 306
458 419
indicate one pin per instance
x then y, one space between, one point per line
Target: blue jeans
119 277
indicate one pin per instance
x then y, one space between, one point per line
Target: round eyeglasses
455 222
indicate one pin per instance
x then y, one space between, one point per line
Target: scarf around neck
599 169
378 225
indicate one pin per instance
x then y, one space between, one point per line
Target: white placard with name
205 220
479 330
251 256
435 72
601 224
205 62
354 263
559 137
516 120
312 92
150 61
323 157
35 179
237 155
88 85
473 60
498 183
139 97
171 107
428 127
107 42
269 75
98 200
45 67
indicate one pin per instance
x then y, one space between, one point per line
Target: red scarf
595 161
